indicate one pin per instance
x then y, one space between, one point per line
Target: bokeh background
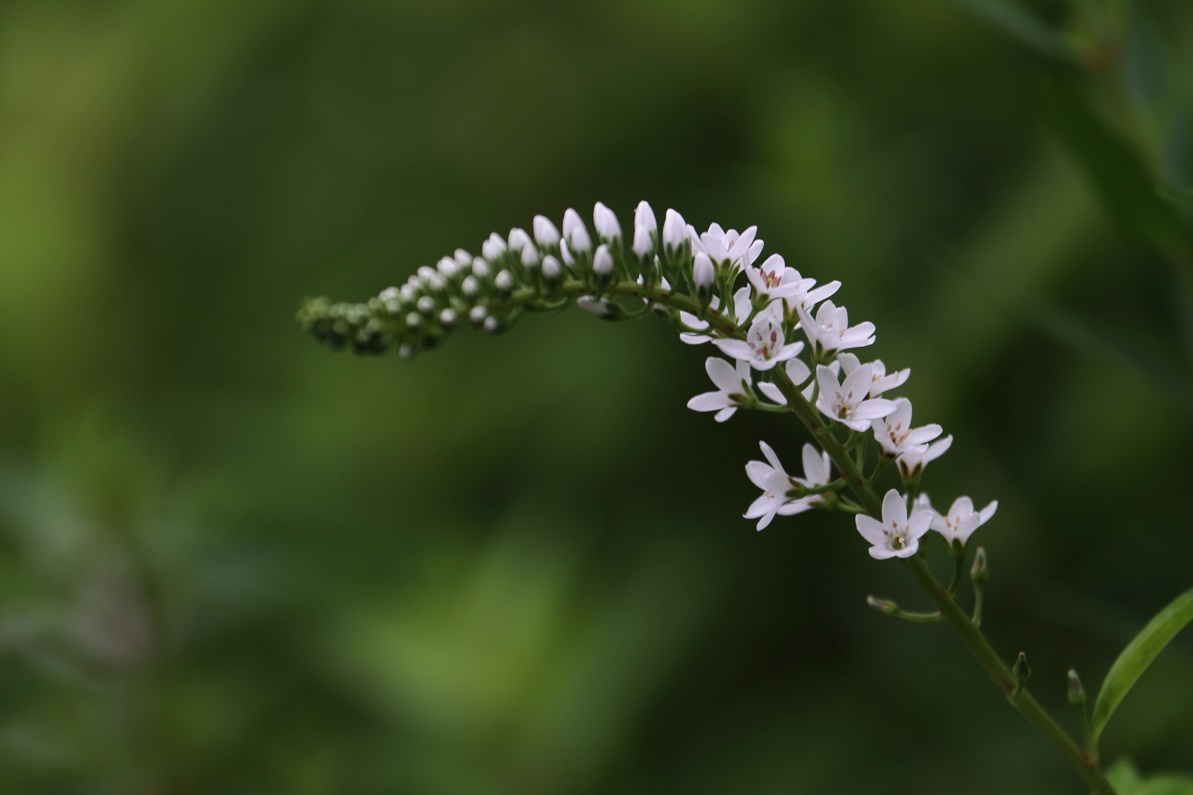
231 561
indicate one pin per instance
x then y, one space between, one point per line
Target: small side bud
1076 689
477 315
979 572
884 606
1021 671
447 318
470 286
481 268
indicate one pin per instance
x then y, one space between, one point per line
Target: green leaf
1138 655
1022 27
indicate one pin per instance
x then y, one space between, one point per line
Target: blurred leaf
1138 655
1019 25
1118 170
1091 339
1123 776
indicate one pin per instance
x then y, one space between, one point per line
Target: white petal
710 401
894 509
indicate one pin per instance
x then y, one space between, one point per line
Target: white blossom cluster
774 319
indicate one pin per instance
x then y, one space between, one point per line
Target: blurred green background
231 561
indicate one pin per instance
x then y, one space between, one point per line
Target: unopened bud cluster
774 327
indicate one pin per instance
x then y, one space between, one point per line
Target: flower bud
676 243
644 217
643 245
602 263
447 267
447 318
477 315
518 239
580 241
462 257
545 233
426 274
481 269
426 305
884 606
470 286
1076 692
1021 671
414 320
492 325
566 253
601 308
493 248
504 283
530 258
979 572
703 276
606 224
552 270
575 233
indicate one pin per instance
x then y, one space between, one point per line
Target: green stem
971 636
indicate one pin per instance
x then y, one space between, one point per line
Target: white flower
797 371
881 381
913 461
896 436
545 233
830 330
605 222
773 280
896 536
775 483
848 402
732 384
765 344
738 249
742 307
961 520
